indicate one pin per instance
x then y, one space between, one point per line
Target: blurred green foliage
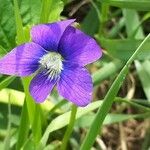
119 26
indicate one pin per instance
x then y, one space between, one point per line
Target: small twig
122 137
101 143
7 139
77 7
131 90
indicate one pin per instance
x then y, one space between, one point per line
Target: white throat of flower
52 63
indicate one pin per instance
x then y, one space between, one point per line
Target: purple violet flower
57 55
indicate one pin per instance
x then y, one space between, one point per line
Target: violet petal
41 86
22 60
78 47
75 85
48 35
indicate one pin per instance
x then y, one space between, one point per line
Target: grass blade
143 5
6 82
23 128
108 100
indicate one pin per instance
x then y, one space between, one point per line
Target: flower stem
70 127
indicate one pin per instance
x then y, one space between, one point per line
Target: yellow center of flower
52 62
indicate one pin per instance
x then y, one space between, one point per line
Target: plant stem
46 4
70 127
118 99
104 10
23 127
30 110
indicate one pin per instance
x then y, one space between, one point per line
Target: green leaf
139 23
123 49
16 97
7 25
143 5
131 21
64 119
87 23
144 76
30 11
146 65
2 51
55 10
87 120
51 10
1 145
81 113
107 71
